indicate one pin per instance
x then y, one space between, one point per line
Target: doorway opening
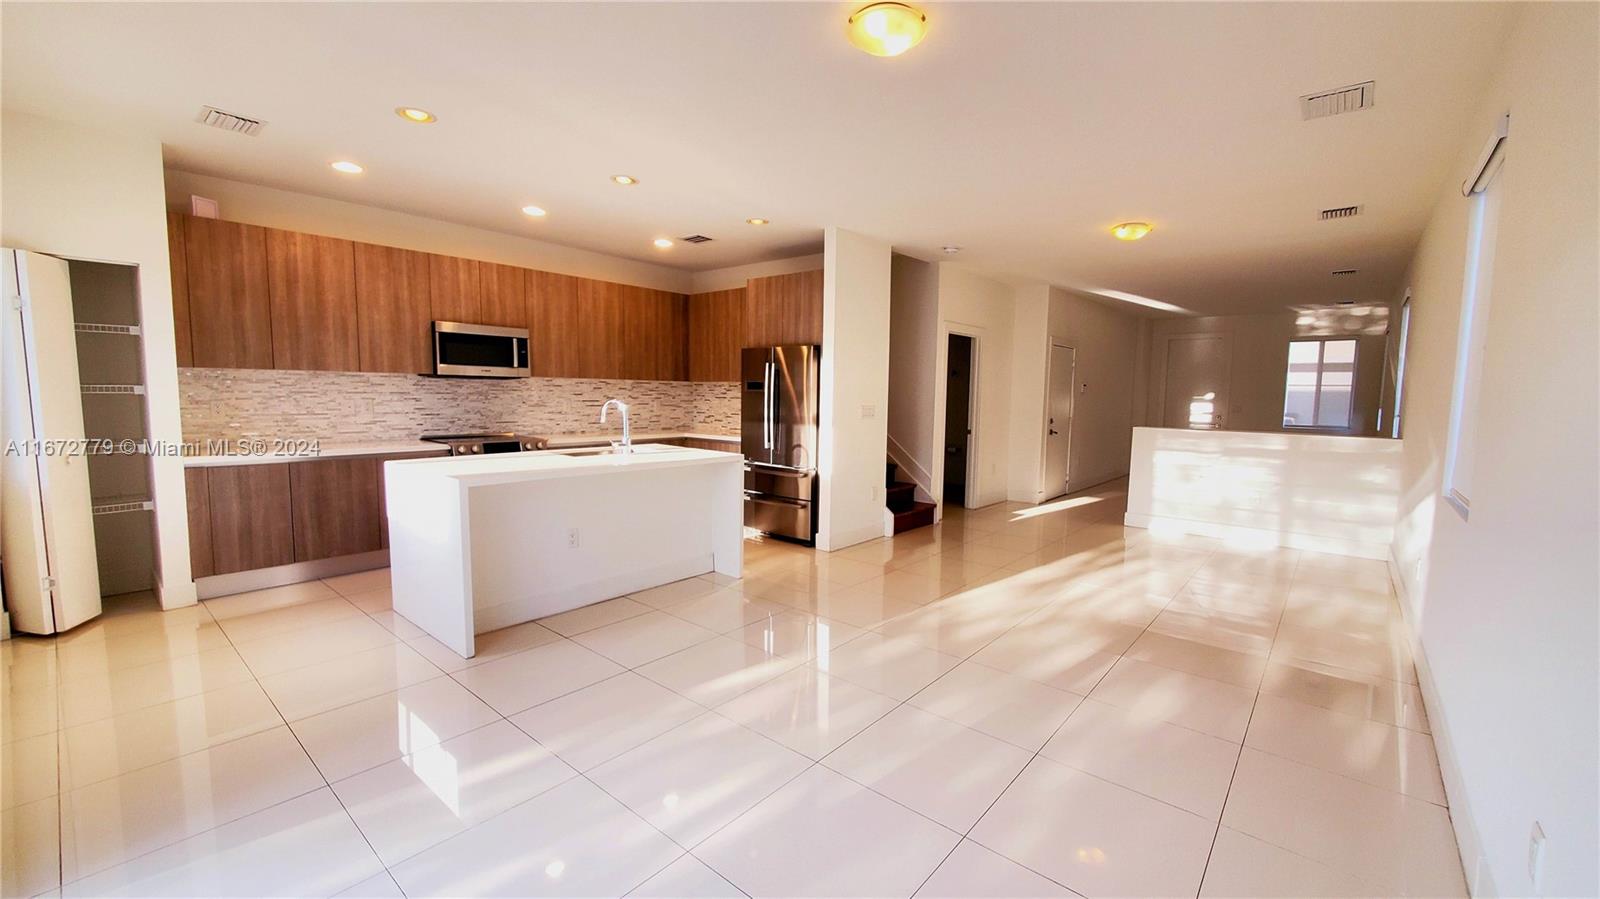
1195 391
960 384
1056 470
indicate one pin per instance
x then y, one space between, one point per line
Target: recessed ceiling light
624 179
413 114
951 251
534 211
662 242
887 29
757 221
1130 230
349 168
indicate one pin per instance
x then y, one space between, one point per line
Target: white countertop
560 440
558 463
298 450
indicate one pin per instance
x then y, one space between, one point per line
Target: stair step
919 515
890 473
900 497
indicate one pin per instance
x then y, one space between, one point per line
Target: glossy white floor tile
1095 837
825 835
973 871
573 840
422 799
1019 701
365 734
601 721
692 780
931 765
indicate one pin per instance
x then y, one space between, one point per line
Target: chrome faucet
626 446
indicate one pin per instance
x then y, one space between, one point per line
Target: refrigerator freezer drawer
775 515
799 485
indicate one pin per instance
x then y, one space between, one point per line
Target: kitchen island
478 544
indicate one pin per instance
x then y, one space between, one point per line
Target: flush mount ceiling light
348 167
535 211
887 29
413 114
757 222
624 180
1130 230
951 251
662 243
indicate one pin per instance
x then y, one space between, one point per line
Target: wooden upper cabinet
553 323
394 309
312 287
457 289
783 309
177 259
230 316
335 507
716 334
597 329
503 292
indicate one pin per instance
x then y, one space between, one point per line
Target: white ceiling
1019 132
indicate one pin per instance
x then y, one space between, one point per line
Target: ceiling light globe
1131 230
887 29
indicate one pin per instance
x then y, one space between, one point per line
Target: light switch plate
869 411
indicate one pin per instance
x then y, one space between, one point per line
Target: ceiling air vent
1338 101
695 238
1344 271
1340 212
227 121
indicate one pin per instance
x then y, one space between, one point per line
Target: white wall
913 358
1107 344
1259 359
855 388
735 276
982 309
273 208
1504 605
87 194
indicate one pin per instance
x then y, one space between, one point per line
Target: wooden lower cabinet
198 489
250 517
335 505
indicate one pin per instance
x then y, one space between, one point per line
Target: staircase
901 498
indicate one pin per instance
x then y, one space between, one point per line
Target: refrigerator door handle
767 408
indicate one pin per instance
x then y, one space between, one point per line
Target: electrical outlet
1536 844
572 538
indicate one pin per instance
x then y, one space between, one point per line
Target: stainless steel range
480 444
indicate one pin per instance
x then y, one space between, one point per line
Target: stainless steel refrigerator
779 435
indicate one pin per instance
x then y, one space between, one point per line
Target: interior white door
52 579
1058 421
1195 394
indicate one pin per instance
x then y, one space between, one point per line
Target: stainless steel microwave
479 351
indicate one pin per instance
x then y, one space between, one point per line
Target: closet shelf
111 505
94 328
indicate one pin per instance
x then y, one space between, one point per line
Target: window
1400 366
1320 384
1460 447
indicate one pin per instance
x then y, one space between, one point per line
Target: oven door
479 351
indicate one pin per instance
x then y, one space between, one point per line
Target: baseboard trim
1258 536
293 573
1480 882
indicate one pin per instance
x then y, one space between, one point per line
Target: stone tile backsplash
231 403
